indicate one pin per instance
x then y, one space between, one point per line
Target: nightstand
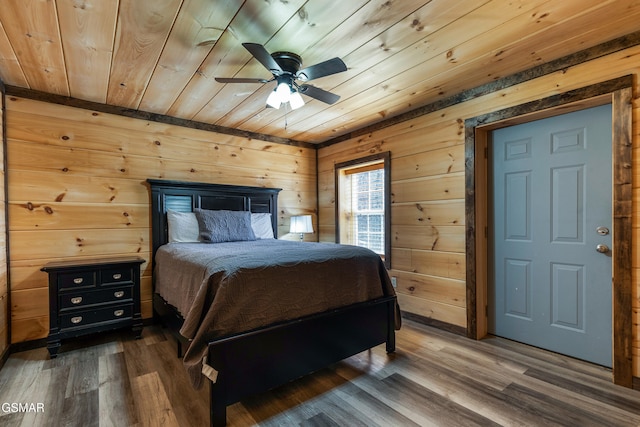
93 295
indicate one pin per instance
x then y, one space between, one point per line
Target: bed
239 361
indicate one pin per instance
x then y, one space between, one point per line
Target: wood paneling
136 53
428 213
10 71
428 163
36 216
4 284
431 287
163 56
199 24
29 329
87 34
26 304
34 33
428 237
429 188
447 66
52 186
427 156
77 190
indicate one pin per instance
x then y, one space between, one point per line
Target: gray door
551 186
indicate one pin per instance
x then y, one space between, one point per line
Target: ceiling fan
285 67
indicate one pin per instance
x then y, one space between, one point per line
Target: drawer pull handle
78 280
118 294
118 313
117 276
76 320
76 300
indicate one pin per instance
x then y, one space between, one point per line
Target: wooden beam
622 232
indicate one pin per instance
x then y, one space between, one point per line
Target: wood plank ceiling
162 56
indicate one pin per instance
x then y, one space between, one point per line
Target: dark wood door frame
618 92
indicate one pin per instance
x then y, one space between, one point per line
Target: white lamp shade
273 100
301 224
296 100
284 92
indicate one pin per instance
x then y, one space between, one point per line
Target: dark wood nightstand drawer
92 295
72 300
79 319
116 275
76 279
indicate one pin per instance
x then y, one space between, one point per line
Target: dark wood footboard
257 361
260 360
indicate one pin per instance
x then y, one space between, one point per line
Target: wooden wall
4 290
428 189
77 190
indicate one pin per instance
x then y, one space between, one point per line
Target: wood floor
434 379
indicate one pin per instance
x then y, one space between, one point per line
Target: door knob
603 249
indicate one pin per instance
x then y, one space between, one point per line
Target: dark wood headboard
187 196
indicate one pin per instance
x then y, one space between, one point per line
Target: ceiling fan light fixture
273 100
284 91
286 69
296 101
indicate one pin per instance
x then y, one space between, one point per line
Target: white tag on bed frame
208 371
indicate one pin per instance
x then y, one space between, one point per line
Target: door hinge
486 152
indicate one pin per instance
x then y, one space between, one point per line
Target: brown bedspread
226 288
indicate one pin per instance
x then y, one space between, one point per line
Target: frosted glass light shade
296 100
273 100
284 92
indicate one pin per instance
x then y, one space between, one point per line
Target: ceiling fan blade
322 69
261 54
319 94
239 80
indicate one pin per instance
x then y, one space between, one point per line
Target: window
367 205
363 204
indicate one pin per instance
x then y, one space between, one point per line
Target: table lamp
301 224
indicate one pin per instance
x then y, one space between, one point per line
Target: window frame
339 168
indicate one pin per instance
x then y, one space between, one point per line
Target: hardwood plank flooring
435 378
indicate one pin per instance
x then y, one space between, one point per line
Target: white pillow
261 224
183 227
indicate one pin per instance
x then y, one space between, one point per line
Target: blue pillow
224 226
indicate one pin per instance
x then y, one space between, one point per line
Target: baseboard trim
28 345
42 342
458 330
